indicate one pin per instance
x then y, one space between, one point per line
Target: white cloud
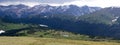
99 3
16 3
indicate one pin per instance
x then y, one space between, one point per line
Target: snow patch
45 16
114 20
2 31
41 25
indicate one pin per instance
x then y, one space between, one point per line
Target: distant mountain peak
45 9
112 7
42 5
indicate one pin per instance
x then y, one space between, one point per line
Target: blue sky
98 3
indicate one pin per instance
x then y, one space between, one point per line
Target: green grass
10 26
48 41
52 33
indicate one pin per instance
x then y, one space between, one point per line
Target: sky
98 3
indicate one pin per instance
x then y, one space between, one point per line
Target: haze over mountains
93 21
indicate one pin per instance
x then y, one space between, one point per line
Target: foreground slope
48 41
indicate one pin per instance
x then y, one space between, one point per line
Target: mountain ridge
21 10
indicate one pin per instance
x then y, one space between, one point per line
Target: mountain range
94 21
44 9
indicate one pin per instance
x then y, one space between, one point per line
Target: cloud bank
99 3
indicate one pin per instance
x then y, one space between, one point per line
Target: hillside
104 22
104 16
10 26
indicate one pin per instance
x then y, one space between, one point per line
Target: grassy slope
10 26
48 41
